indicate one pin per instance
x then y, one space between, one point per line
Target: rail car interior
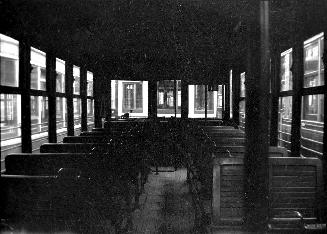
172 116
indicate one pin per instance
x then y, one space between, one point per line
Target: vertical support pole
69 97
184 101
236 94
175 95
205 102
275 87
298 74
324 158
83 81
25 85
51 90
226 99
256 129
107 98
97 100
152 101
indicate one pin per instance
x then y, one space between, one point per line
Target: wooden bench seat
295 184
86 139
72 147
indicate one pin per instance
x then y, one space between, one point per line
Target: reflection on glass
285 122
39 114
38 73
231 94
129 97
313 65
89 78
286 82
312 125
60 76
10 116
166 91
242 84
76 83
61 105
9 49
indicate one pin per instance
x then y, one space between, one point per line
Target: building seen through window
285 71
9 50
38 73
61 114
167 92
313 65
129 97
60 76
76 82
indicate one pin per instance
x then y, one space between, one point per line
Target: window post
97 100
298 75
256 126
275 87
69 97
25 85
51 90
83 80
184 99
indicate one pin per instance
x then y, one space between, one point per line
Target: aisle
166 206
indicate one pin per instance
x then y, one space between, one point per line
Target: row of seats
77 185
295 184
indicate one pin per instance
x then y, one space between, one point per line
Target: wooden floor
166 206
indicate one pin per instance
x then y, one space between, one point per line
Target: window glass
242 114
76 83
220 98
89 77
10 117
286 82
77 112
9 51
231 94
165 98
39 114
129 97
60 76
313 65
242 84
197 102
61 105
312 125
285 122
38 73
90 111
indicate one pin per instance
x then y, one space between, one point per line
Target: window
39 114
312 125
286 82
129 97
61 105
242 84
76 83
231 94
285 122
9 51
313 65
38 73
197 102
77 112
60 76
89 78
90 111
242 114
10 116
167 90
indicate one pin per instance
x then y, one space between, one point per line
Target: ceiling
136 39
